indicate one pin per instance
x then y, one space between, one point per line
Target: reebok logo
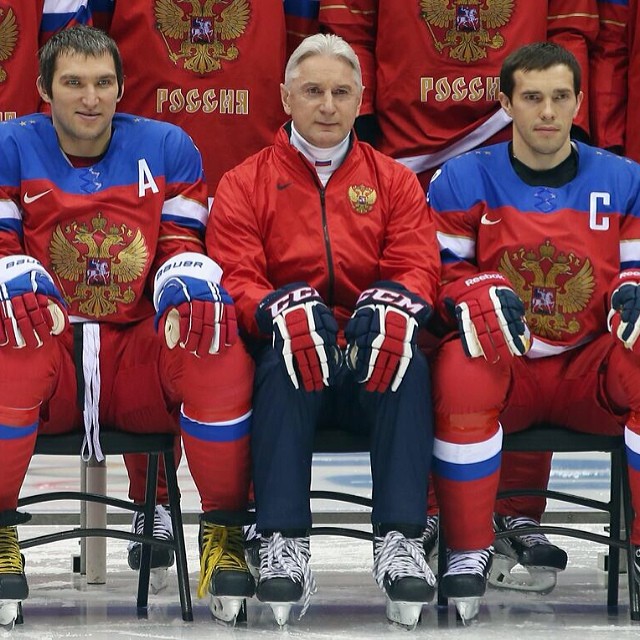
485 220
29 199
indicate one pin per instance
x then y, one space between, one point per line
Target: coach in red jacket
329 251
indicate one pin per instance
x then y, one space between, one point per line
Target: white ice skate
465 580
532 551
161 557
285 575
400 569
224 572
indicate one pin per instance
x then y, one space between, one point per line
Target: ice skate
465 580
252 549
285 575
224 572
533 551
400 569
13 582
430 542
161 557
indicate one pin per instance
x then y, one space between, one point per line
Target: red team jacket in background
215 71
615 67
431 67
272 224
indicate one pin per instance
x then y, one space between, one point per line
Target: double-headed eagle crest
204 36
466 27
554 287
92 274
8 38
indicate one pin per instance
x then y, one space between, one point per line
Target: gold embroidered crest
95 271
362 198
467 28
204 36
8 38
554 287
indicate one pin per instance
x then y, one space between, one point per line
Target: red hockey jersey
213 68
431 67
615 68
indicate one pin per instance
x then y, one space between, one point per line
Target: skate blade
226 609
8 613
536 580
405 614
467 608
281 611
158 579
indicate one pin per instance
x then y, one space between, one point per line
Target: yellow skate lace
222 548
10 558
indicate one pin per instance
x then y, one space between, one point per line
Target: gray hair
322 44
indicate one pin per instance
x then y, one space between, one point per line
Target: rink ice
348 603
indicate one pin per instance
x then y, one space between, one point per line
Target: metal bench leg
178 536
149 514
615 516
95 548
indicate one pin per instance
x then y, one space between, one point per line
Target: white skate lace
288 557
400 557
430 531
162 528
509 523
466 562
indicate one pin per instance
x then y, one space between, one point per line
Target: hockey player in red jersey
540 241
327 243
615 67
431 67
111 314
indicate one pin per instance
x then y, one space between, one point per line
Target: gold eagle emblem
8 38
553 286
362 198
93 274
205 34
467 28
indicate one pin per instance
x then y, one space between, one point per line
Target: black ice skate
465 580
533 551
224 572
161 558
430 542
400 569
13 582
285 575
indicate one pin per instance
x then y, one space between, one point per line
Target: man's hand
381 334
304 332
624 316
490 317
193 310
31 307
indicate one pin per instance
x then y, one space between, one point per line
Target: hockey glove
490 317
304 332
192 309
381 334
624 316
31 307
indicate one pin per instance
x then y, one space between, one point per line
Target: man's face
323 100
83 100
543 107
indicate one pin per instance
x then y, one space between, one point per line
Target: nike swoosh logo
29 199
282 185
485 220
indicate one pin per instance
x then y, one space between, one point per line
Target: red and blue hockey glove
624 316
381 334
304 332
490 317
31 307
192 309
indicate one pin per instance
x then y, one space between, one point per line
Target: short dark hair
537 56
81 39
